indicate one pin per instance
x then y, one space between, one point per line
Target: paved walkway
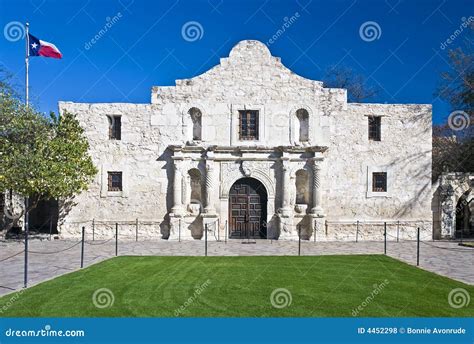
444 258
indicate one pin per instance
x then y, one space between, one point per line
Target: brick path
447 258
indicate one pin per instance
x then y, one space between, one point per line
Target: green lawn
242 286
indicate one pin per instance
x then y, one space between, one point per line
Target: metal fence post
418 247
398 230
179 231
116 239
385 238
357 231
205 240
299 240
315 229
25 281
93 229
50 227
136 230
82 247
226 228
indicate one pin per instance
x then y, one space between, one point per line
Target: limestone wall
404 152
250 78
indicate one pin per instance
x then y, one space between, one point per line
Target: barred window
375 128
379 182
114 181
115 127
248 125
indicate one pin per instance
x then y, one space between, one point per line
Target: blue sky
144 44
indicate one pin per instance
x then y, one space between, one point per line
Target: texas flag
38 47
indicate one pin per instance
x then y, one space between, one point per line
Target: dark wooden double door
247 209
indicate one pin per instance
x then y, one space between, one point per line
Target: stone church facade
249 149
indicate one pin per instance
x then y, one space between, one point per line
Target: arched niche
195 114
302 186
302 116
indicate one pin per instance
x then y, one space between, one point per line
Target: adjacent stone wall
450 187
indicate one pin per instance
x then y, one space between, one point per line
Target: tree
41 158
453 150
356 85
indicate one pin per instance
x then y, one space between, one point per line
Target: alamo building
249 149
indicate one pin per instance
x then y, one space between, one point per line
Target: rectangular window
115 181
115 127
374 128
379 182
248 125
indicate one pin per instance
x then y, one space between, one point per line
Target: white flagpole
27 62
25 268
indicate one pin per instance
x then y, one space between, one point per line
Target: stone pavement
444 258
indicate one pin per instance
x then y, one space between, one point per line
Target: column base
318 212
285 211
178 211
210 211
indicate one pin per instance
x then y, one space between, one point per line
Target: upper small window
379 182
374 128
115 181
115 127
248 125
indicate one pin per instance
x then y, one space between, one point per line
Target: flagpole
27 62
25 268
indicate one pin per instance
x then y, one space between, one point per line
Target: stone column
285 210
177 189
316 186
210 168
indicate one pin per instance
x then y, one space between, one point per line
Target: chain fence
114 235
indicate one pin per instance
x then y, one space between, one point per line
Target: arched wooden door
247 209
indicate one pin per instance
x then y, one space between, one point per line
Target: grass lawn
242 287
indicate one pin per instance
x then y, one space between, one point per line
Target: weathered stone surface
157 149
452 194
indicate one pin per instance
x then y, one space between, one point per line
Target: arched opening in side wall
464 223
